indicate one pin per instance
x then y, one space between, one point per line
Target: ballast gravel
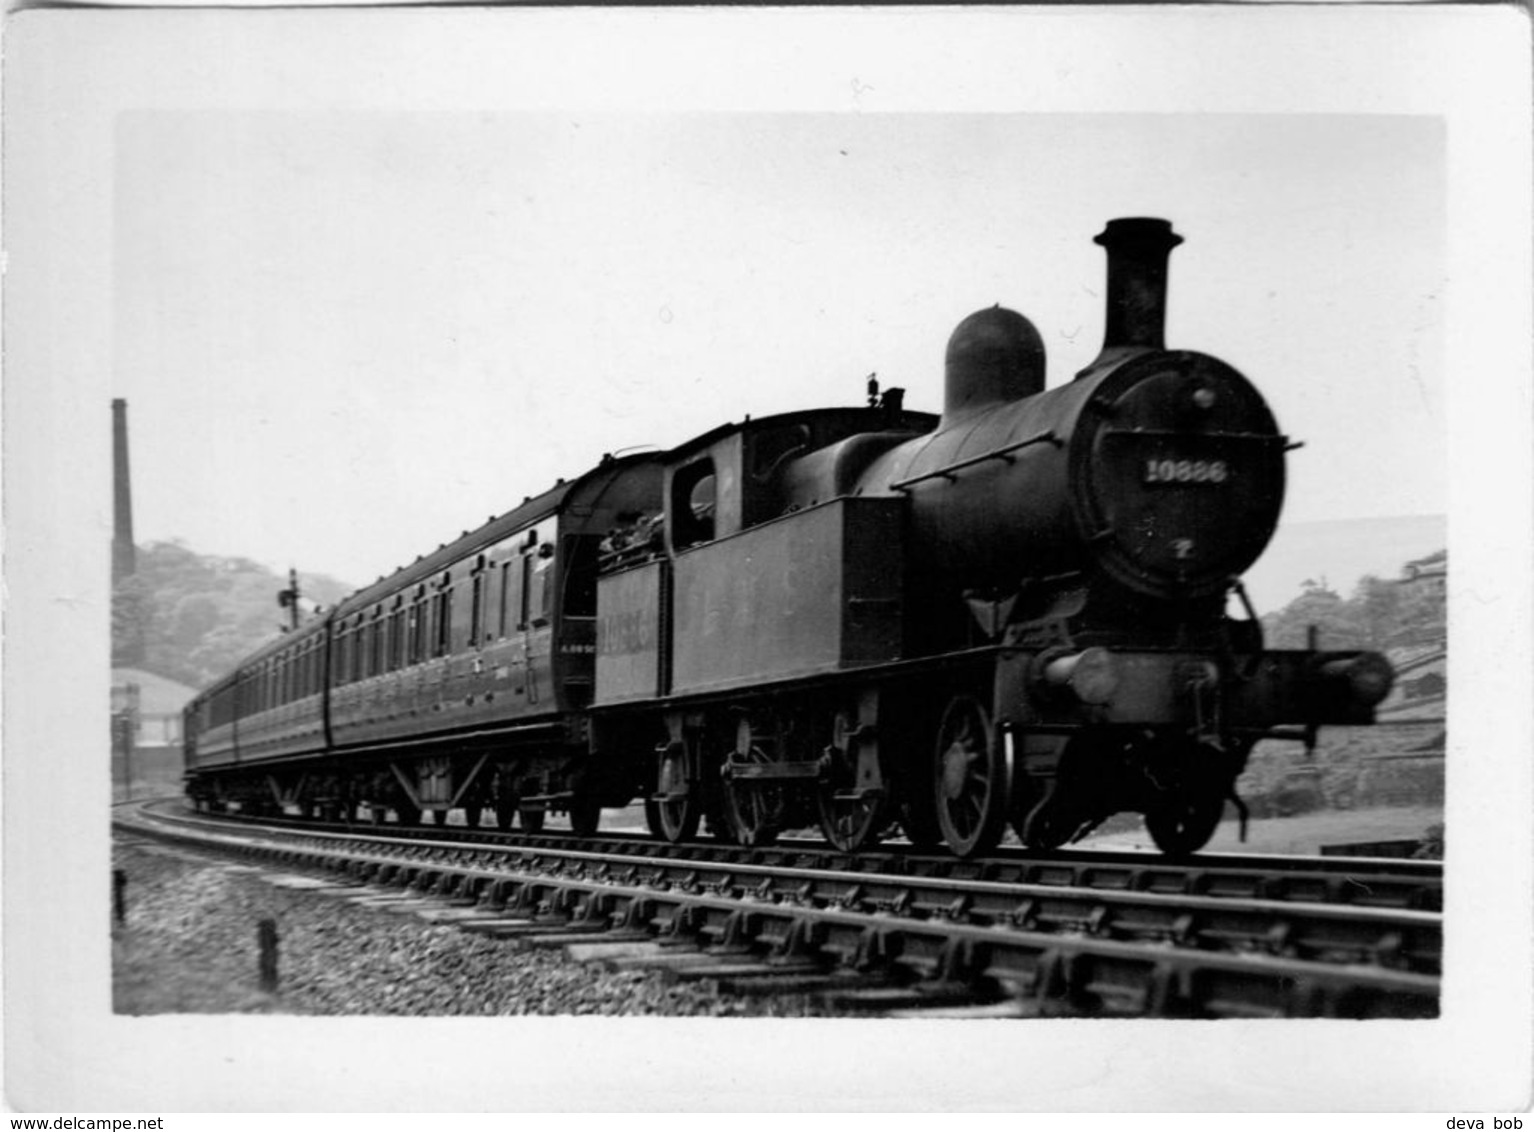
189 944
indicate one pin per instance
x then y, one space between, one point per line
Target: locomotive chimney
1138 250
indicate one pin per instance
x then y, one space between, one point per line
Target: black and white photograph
768 559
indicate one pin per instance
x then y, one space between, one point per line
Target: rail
881 941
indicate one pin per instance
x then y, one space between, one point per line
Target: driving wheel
852 814
753 807
969 778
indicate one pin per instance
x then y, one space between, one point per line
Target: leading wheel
1185 823
969 778
850 817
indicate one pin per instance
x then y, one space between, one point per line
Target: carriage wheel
849 823
753 810
439 817
676 818
1184 823
969 778
472 816
531 820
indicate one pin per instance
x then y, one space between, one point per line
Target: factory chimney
124 563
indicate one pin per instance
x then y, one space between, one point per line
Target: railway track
1083 934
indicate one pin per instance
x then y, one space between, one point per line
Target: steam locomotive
869 618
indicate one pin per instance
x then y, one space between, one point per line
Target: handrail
1002 453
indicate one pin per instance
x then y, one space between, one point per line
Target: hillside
190 617
1379 613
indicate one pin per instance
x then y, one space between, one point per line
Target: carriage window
359 649
397 634
505 596
415 629
443 615
477 602
525 591
693 496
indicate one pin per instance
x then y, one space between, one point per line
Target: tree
191 617
1380 614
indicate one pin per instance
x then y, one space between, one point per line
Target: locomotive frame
1010 613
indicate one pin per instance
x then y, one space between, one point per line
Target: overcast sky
345 337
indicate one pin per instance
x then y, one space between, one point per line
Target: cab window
693 496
